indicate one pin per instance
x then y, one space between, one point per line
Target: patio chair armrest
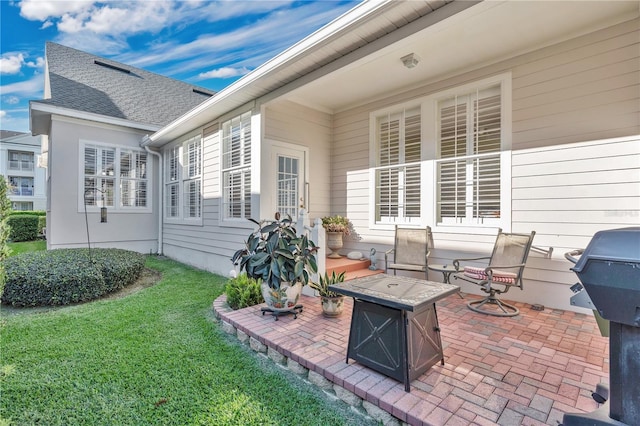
386 260
456 262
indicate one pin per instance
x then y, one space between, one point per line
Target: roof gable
84 82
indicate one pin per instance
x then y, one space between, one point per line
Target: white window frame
20 163
243 167
429 159
116 205
182 170
18 188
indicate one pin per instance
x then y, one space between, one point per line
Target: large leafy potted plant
332 303
336 226
281 259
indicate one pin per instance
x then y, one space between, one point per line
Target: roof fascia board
439 15
321 36
89 116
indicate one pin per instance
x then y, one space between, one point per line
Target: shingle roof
89 83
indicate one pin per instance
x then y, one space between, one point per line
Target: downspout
144 143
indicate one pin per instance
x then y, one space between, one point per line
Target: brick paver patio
525 370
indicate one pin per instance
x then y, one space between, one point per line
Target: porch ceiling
475 37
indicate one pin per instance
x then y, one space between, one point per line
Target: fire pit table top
400 292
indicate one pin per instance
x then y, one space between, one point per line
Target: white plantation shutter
133 178
236 167
191 175
469 165
398 192
99 176
183 180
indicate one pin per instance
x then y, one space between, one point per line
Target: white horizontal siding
566 189
584 89
582 188
299 125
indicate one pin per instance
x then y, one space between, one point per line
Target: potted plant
336 227
332 302
281 259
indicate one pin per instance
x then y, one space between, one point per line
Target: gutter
144 144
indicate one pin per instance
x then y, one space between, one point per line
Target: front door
290 185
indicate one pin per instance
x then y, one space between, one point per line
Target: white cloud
12 100
246 46
38 10
28 88
11 63
3 113
224 72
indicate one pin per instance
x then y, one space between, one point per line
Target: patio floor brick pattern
524 370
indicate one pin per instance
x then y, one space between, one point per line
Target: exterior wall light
410 61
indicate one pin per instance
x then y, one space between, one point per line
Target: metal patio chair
410 250
504 270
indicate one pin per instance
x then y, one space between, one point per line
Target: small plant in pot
336 227
281 259
332 302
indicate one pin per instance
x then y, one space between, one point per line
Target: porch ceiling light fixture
410 60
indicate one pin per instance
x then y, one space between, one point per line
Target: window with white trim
468 165
20 160
115 177
397 175
440 161
236 167
172 182
183 180
20 185
99 175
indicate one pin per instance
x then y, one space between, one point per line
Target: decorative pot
332 306
282 299
334 242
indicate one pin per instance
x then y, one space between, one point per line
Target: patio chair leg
507 309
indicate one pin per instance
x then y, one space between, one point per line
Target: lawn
23 247
153 357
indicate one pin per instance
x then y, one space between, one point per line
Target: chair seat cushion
498 276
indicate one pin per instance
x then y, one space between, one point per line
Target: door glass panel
287 186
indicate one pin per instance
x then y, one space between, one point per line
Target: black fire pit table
394 327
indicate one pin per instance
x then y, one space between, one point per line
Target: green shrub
243 291
28 213
23 227
5 209
64 276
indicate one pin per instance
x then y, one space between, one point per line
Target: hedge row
23 227
28 212
64 276
26 229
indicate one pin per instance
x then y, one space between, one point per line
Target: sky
206 43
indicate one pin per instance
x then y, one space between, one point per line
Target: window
22 186
183 180
398 167
236 167
172 182
21 206
468 168
19 160
442 160
115 177
133 178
